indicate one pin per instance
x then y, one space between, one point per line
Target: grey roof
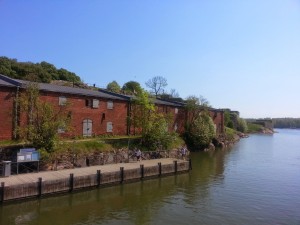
6 84
58 88
170 103
155 100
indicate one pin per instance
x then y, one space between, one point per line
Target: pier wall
72 183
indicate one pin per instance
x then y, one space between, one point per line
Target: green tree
157 135
132 87
114 87
37 72
242 125
43 120
142 107
199 128
201 132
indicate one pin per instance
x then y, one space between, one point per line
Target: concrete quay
40 184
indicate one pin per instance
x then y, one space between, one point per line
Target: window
88 102
62 100
95 103
92 103
176 110
109 127
110 105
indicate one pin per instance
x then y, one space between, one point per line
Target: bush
242 125
200 132
230 133
157 135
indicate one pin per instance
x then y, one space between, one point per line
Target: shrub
200 132
157 135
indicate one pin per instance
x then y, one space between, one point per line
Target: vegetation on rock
37 72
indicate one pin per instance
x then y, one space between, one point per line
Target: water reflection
134 203
255 182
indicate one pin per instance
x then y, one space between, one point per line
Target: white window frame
95 104
109 127
62 100
110 104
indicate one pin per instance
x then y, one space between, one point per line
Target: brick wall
6 113
80 108
218 118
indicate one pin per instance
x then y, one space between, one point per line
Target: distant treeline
38 72
286 122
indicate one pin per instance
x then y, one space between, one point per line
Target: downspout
15 132
128 116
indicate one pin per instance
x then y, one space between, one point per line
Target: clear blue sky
239 54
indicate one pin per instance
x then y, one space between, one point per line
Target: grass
230 133
7 143
254 128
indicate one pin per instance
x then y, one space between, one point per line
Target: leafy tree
286 122
114 87
201 132
242 125
43 120
132 87
195 105
157 135
157 84
142 107
199 128
37 72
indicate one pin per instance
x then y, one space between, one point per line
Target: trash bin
6 168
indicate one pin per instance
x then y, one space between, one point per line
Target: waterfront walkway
83 171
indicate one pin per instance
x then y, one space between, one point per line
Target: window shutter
95 103
110 105
62 100
109 127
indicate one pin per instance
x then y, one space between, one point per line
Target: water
256 182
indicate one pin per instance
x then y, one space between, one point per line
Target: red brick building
217 116
92 112
7 96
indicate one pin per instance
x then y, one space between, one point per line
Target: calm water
256 182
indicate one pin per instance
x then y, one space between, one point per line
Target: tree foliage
132 87
157 84
37 72
114 87
157 136
200 132
195 105
286 122
142 107
242 125
199 128
43 120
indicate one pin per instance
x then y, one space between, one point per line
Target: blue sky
243 55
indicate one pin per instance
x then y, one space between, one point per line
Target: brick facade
92 113
6 113
218 119
81 109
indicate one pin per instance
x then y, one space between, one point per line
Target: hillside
38 72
